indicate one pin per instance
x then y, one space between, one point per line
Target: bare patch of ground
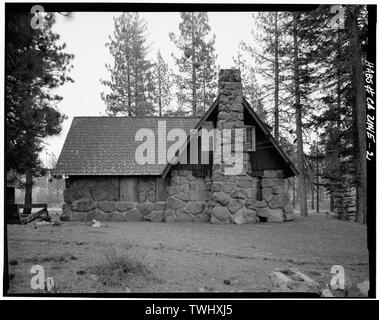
183 257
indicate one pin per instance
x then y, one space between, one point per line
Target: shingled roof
106 145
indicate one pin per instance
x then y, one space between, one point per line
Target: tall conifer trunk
276 107
299 126
359 116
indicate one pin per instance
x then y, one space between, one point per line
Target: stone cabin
105 182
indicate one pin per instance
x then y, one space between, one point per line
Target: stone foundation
274 205
186 202
99 198
228 199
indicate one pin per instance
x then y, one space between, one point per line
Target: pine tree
130 85
35 64
251 90
339 54
196 65
269 32
162 84
299 114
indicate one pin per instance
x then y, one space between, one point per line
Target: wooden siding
128 189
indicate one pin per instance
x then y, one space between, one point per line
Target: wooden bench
15 215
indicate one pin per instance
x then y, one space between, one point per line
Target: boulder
194 196
160 206
202 217
275 215
235 204
278 201
169 216
176 180
221 197
184 187
133 215
97 215
173 190
273 173
218 221
251 193
263 212
193 186
155 216
221 213
239 194
173 203
292 280
278 189
124 206
83 205
183 215
216 187
267 194
218 176
145 208
182 196
244 215
288 208
115 216
289 216
107 206
245 182
190 178
253 204
196 207
228 187
268 182
77 216
236 107
70 195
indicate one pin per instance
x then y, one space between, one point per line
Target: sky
85 35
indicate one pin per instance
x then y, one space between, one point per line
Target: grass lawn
183 257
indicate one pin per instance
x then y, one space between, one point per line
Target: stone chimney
230 193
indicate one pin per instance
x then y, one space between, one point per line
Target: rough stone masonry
235 198
223 198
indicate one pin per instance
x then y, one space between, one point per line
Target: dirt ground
186 257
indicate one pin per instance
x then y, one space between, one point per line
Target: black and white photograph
189 150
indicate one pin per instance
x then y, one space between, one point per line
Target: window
250 138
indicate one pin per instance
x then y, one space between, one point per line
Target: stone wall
274 205
99 198
230 192
187 197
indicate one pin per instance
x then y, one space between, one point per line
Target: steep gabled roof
106 145
275 143
259 122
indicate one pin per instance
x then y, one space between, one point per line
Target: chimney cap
230 75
